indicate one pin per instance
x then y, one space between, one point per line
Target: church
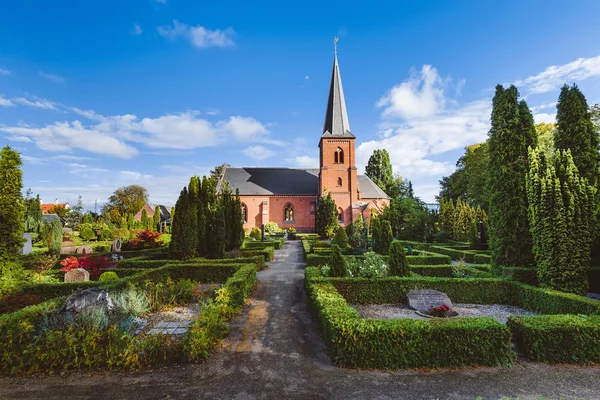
288 196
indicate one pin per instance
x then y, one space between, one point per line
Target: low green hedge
268 253
594 279
144 263
257 244
306 246
557 338
415 245
307 236
545 301
446 271
354 342
150 264
470 256
426 258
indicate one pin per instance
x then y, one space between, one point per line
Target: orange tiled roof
47 208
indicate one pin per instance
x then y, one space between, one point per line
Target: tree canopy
125 200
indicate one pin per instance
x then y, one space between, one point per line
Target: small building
48 208
165 213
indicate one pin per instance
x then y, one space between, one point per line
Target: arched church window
339 181
340 215
338 157
244 213
288 213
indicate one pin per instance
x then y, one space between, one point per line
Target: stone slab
422 300
67 250
77 275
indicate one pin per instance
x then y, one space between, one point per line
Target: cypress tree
398 264
385 236
511 134
376 234
215 240
123 223
130 221
12 209
54 236
145 220
156 219
326 216
184 239
340 238
379 170
337 263
33 212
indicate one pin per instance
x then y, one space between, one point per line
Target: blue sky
97 95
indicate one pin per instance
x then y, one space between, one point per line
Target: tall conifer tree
12 209
184 240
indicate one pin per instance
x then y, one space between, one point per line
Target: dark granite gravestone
262 232
92 297
423 300
27 246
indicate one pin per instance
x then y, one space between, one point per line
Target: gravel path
275 352
387 311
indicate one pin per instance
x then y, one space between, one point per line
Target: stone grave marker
116 246
422 300
28 245
84 250
67 250
88 298
77 275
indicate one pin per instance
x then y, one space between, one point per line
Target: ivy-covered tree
512 133
12 209
337 263
33 212
561 211
576 131
379 170
326 216
398 264
184 240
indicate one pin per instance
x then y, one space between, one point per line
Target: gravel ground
386 311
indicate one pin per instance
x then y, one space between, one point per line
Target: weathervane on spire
335 40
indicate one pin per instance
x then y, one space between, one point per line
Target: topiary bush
272 227
256 233
87 233
108 276
340 238
398 263
105 233
337 262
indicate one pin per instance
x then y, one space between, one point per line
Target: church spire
336 116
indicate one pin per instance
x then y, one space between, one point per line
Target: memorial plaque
116 246
423 300
77 275
27 246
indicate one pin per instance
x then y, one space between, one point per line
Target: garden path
275 352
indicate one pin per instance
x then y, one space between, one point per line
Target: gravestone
84 250
262 232
92 297
481 239
116 246
67 250
27 246
423 300
67 231
77 275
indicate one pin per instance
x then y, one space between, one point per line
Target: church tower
338 174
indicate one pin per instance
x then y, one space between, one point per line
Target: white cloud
419 97
41 103
22 139
137 30
66 157
31 160
4 102
306 162
555 76
306 77
258 153
548 118
541 107
4 71
198 35
52 77
243 128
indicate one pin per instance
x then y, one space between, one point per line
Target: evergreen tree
375 234
446 217
156 219
337 263
130 221
576 131
12 209
340 238
216 237
512 132
33 212
75 215
184 230
326 216
379 170
145 220
398 264
123 224
54 235
385 237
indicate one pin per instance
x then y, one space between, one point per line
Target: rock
422 300
27 246
67 250
77 275
67 231
92 297
116 245
84 250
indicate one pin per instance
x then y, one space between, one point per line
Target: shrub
256 233
95 265
339 266
105 233
460 270
86 233
340 238
398 264
122 234
145 240
370 265
291 230
272 227
385 236
108 276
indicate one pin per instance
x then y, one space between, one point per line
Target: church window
338 157
339 181
340 215
288 213
244 213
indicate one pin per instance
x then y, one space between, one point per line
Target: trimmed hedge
521 274
268 253
415 245
470 256
594 279
445 271
354 342
306 247
307 236
257 244
557 338
427 258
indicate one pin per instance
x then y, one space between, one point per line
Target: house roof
288 181
336 117
47 208
165 212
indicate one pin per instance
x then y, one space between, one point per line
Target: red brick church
288 196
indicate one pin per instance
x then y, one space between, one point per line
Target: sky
96 95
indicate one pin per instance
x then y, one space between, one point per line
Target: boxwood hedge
268 253
470 256
425 258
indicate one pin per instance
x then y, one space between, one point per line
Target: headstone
77 275
27 246
116 246
84 250
67 231
92 297
67 250
423 300
262 232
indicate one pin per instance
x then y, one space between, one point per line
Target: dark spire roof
336 117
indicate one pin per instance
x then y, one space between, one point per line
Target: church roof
288 182
336 116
